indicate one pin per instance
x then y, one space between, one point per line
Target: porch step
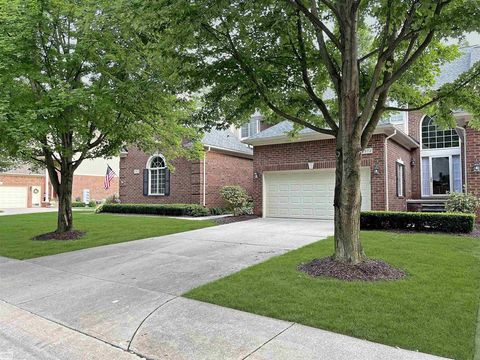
427 205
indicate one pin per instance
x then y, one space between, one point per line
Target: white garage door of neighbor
13 197
307 194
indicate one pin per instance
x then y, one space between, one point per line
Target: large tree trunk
65 218
348 247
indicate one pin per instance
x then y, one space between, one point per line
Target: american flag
108 177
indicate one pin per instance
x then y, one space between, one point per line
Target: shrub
112 199
92 203
218 211
155 209
237 200
462 203
418 221
78 204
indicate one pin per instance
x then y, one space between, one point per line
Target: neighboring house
410 163
145 178
22 187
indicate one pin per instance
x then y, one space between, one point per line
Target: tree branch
306 79
260 87
317 23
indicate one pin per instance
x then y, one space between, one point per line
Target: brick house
145 178
22 187
410 163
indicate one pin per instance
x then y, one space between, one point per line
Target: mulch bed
68 235
474 233
232 219
369 270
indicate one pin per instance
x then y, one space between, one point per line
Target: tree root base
67 235
368 270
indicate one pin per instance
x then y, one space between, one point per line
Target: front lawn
433 310
16 231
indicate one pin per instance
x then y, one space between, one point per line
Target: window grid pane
435 138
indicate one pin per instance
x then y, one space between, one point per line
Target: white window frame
149 163
249 124
400 183
436 153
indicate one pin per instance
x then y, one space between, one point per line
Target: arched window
434 137
157 175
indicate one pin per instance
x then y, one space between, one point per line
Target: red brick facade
95 185
186 180
80 182
19 180
295 156
473 157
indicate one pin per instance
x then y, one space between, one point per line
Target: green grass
433 310
16 231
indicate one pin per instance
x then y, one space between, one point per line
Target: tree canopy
77 82
285 57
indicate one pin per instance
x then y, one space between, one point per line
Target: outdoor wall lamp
255 175
476 168
413 163
376 169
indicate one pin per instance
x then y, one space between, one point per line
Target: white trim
402 182
150 173
438 153
400 137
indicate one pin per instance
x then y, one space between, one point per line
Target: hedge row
155 209
418 221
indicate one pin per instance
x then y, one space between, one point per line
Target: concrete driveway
21 211
123 301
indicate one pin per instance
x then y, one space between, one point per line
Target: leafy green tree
76 82
333 66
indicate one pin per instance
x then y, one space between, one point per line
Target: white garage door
307 194
13 197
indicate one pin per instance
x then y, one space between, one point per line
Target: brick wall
222 170
473 157
186 181
95 185
24 181
295 156
398 152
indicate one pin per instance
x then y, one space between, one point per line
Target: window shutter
167 182
145 182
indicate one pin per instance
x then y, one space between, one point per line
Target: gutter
385 165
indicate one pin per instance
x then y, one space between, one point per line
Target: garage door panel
13 197
307 194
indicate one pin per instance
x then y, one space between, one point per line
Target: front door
36 196
440 175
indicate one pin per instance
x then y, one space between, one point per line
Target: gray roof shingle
226 139
452 70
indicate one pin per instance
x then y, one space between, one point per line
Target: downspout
385 165
464 162
205 176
